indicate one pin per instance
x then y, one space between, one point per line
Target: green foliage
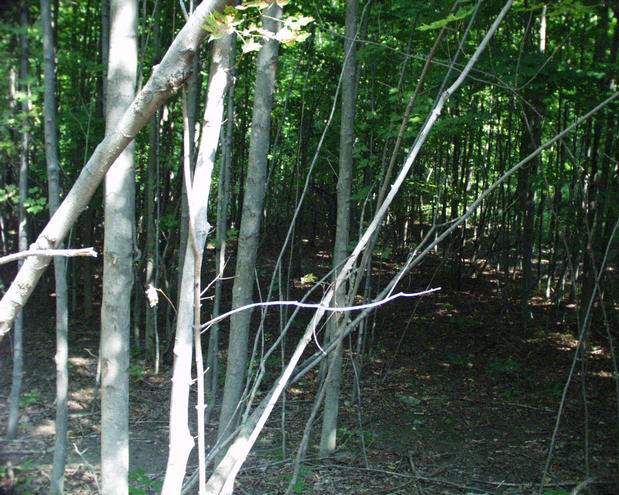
352 437
506 366
556 491
385 253
9 193
137 372
460 14
168 221
35 203
141 484
309 278
232 233
30 397
21 485
251 34
301 483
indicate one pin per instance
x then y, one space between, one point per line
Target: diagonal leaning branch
222 479
167 78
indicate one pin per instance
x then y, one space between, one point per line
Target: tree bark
151 340
62 313
181 441
340 249
167 78
530 140
249 232
18 351
119 224
223 200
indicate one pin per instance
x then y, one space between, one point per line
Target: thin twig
90 466
332 309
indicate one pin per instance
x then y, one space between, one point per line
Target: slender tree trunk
118 255
249 232
181 441
192 97
340 251
223 200
18 352
530 140
62 318
151 334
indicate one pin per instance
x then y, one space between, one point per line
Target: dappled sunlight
44 429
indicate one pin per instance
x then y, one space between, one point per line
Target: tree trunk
223 200
340 250
151 335
181 441
62 323
253 201
18 352
118 256
530 141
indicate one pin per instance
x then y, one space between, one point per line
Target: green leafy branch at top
230 21
461 13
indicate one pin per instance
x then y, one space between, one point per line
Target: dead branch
68 253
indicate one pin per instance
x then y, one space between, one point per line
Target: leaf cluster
251 34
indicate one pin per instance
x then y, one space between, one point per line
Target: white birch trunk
151 335
118 256
223 199
181 440
167 78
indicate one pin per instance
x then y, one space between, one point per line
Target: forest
311 247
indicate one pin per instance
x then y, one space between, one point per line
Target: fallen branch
68 253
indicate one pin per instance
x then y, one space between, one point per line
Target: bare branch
332 309
67 253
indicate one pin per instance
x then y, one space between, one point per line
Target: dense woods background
528 261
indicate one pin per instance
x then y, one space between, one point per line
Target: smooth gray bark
18 352
62 313
181 440
191 98
223 199
118 255
340 249
167 78
249 231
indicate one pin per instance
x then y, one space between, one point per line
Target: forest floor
454 399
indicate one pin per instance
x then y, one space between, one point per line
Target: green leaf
310 278
460 14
